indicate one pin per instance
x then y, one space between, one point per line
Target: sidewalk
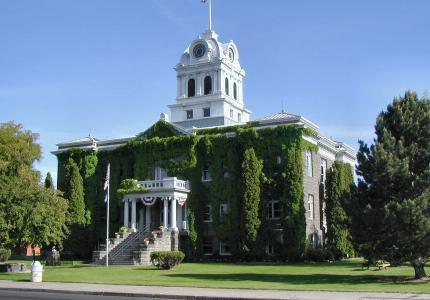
199 293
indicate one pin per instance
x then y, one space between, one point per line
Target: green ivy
186 156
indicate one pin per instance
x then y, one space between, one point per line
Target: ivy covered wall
221 152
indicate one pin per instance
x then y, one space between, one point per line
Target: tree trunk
418 265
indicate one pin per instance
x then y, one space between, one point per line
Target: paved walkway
199 293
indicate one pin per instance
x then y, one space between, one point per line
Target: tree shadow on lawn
310 279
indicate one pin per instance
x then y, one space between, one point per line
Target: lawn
339 276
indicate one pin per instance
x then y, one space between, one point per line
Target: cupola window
208 85
226 86
235 91
191 87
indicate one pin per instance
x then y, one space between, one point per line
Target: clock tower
210 85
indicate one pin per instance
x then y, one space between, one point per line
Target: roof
287 118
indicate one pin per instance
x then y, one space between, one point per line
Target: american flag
106 185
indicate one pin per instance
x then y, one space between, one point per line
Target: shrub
318 255
123 229
166 259
4 254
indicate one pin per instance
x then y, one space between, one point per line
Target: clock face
199 50
231 54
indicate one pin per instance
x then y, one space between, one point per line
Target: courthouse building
195 197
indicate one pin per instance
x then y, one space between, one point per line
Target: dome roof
207 48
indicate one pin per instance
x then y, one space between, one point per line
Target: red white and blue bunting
181 200
150 201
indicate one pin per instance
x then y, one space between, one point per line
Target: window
314 240
226 86
223 209
206 112
309 163
224 249
231 114
323 170
270 249
273 210
189 114
278 160
310 207
207 216
160 173
191 87
235 91
208 245
239 117
208 85
206 176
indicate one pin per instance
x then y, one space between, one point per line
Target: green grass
339 276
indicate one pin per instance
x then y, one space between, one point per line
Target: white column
199 84
148 217
179 86
173 214
141 218
215 82
133 214
126 213
165 208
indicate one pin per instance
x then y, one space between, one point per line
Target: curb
132 295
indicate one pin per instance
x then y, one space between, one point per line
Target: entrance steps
134 248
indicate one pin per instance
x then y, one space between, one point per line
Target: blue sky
69 68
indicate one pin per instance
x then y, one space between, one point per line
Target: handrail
123 246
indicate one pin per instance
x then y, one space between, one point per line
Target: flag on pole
106 185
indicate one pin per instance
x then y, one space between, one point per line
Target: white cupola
210 85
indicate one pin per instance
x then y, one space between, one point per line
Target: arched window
208 85
235 91
191 87
226 86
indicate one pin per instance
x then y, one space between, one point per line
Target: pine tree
75 194
251 172
339 186
392 219
49 183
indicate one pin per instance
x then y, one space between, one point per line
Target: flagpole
210 15
107 221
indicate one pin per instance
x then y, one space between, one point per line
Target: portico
163 203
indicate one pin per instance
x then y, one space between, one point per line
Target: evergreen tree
339 186
392 219
49 183
75 194
251 172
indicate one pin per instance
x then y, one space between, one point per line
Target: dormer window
208 85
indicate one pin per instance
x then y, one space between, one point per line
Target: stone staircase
134 248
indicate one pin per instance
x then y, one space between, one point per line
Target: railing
165 183
129 241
